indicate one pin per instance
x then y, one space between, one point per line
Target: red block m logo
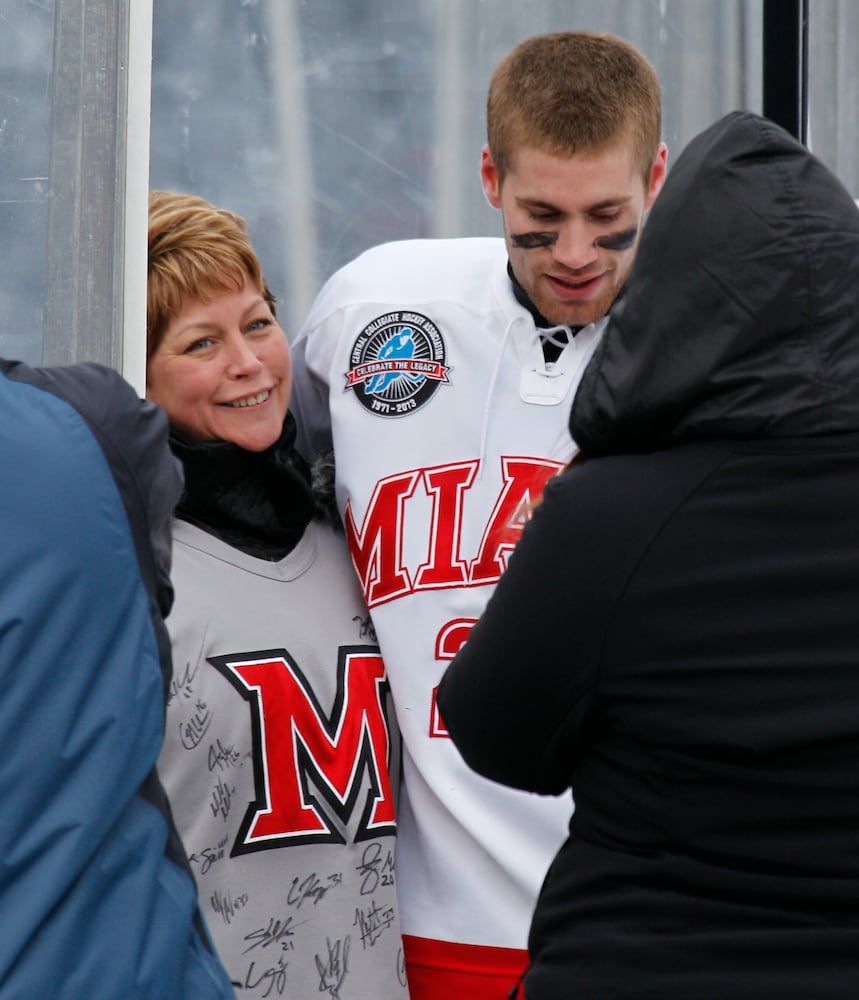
309 766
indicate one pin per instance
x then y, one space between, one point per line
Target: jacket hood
741 313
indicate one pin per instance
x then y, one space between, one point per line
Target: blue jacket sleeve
95 892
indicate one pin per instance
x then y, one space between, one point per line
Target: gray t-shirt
278 757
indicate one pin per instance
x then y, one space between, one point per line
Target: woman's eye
199 345
263 323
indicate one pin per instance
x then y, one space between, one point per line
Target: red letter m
307 764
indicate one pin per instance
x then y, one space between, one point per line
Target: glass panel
63 116
833 83
26 44
332 125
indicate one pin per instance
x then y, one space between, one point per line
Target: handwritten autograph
274 977
208 856
366 629
222 757
373 922
226 906
182 684
376 868
333 967
311 888
275 932
192 731
222 797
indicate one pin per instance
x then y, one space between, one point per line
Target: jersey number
447 644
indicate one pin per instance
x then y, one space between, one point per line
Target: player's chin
579 306
581 314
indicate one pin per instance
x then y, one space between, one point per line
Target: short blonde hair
573 92
195 250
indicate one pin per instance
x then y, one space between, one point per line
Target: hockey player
442 373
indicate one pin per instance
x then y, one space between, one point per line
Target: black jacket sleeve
529 667
522 697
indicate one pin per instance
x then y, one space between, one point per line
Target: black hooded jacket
676 636
743 316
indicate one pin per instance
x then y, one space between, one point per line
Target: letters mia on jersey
314 772
377 545
397 510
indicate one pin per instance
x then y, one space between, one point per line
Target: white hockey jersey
420 366
276 757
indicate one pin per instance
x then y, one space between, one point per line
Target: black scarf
258 502
524 299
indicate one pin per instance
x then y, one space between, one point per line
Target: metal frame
83 298
785 64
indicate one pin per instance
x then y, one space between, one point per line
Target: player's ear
658 173
489 178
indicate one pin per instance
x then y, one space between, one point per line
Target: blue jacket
96 899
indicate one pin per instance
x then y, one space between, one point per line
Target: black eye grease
617 241
614 242
531 241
